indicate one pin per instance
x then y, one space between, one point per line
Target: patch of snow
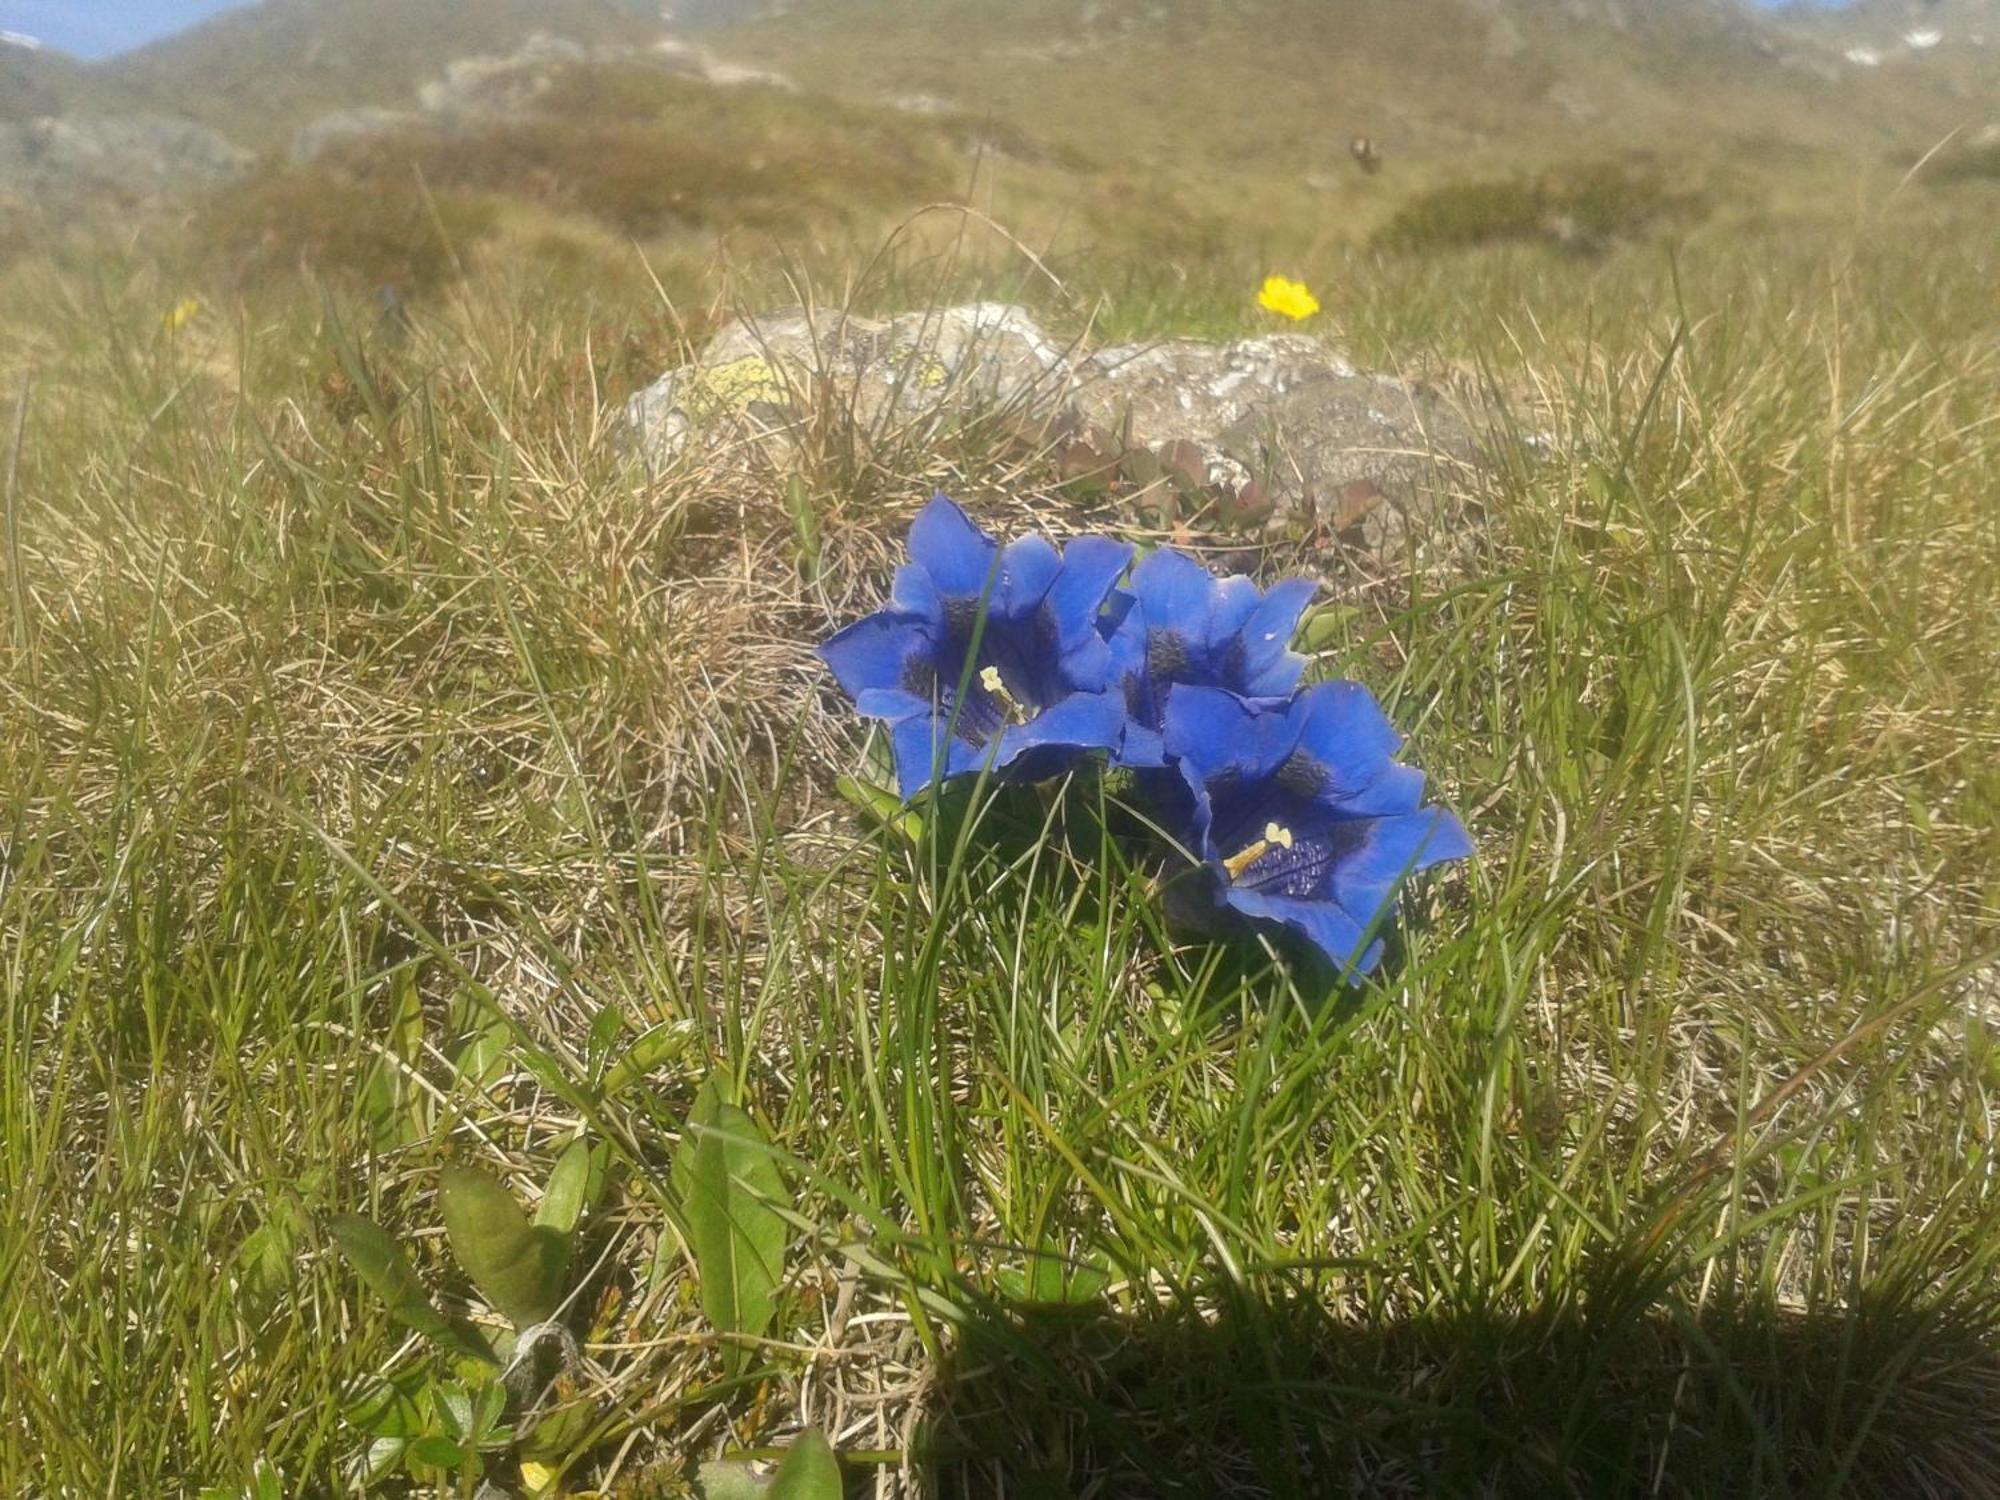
1922 41
20 39
1864 57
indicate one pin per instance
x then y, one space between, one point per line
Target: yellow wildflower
181 314
1287 298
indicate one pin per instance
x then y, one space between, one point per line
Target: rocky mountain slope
257 73
1175 119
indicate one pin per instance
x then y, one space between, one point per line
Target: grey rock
134 157
1278 430
760 378
478 92
504 85
1354 453
342 126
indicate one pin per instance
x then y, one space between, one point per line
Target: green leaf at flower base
381 1264
575 1182
438 1452
1053 1282
730 1479
880 806
1326 627
810 1471
655 1048
729 1190
384 1456
265 1484
481 1058
517 1266
558 1435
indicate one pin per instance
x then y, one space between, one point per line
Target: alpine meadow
1002 748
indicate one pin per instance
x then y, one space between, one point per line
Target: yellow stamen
989 678
1275 837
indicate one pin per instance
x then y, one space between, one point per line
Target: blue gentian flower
1016 625
1302 818
1178 623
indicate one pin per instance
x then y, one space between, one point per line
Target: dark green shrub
1979 163
367 232
1580 208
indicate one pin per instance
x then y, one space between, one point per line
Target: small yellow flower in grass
180 314
1287 298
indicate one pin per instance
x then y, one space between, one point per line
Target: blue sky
97 28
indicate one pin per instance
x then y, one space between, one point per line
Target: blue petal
956 553
919 743
1082 721
1211 732
1123 626
1366 880
1027 568
1326 926
1141 748
1118 605
1342 727
890 703
1175 593
1235 600
1271 669
913 593
874 652
1075 600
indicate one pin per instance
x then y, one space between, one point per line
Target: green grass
382 759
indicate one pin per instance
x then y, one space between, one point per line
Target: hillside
257 73
36 83
1157 133
1197 86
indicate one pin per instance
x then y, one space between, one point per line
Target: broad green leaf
270 1484
395 1112
517 1266
729 1189
660 1045
481 1059
386 1409
438 1452
810 1471
574 1182
383 1457
880 806
558 1435
1326 627
730 1479
380 1263
1052 1281
265 1259
605 1029
454 1409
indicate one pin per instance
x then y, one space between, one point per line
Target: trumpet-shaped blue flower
987 653
1178 623
1301 815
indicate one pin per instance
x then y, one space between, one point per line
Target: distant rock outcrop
1277 430
132 157
480 91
